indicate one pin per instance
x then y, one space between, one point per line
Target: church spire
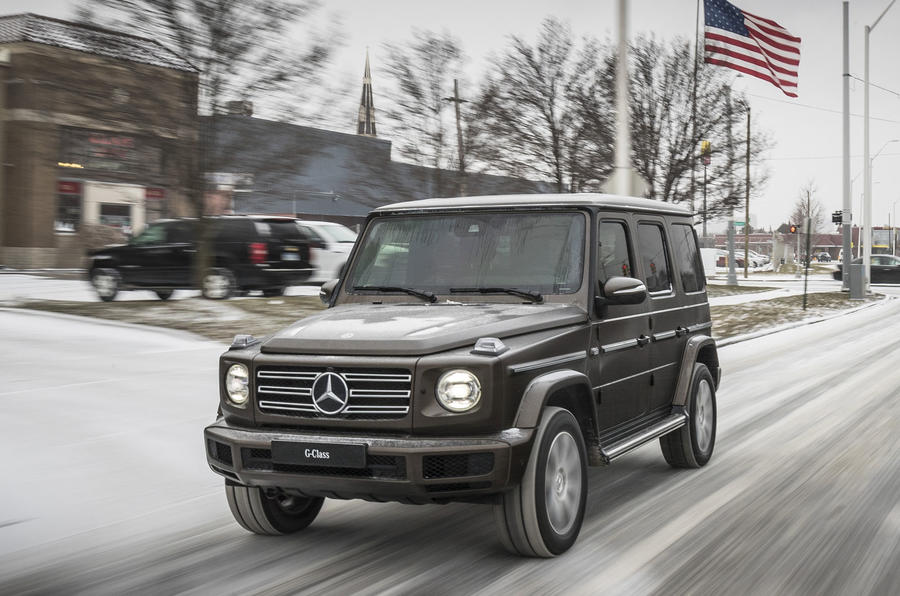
366 121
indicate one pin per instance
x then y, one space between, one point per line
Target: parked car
477 349
332 246
248 253
823 257
884 269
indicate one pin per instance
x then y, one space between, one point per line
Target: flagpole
747 201
694 109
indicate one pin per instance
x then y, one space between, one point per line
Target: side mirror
326 292
624 290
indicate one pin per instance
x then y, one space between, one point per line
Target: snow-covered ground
106 490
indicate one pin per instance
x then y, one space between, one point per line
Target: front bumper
398 468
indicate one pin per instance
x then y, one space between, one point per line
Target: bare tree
808 206
541 112
664 137
422 72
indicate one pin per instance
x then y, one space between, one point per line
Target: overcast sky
806 131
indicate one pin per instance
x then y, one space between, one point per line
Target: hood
403 330
107 249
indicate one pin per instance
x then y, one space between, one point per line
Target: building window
68 206
116 216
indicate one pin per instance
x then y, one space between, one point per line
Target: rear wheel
542 516
164 294
271 516
691 446
106 282
218 283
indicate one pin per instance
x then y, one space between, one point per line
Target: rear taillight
259 252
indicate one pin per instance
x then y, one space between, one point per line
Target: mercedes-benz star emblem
330 393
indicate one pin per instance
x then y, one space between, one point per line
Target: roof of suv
620 203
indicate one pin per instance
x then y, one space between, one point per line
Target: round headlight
458 390
237 384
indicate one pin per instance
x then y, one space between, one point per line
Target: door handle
643 340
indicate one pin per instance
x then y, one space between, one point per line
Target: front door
620 362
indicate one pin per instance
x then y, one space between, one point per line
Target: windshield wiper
423 294
533 296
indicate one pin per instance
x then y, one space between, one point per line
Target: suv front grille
371 393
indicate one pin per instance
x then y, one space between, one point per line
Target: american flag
750 44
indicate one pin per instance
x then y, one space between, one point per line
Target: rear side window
687 258
654 257
613 255
285 230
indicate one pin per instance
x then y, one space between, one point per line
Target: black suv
478 349
248 253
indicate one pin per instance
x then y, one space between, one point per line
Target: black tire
270 292
691 446
218 283
106 282
284 514
542 516
164 294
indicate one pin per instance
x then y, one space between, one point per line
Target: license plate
319 454
290 256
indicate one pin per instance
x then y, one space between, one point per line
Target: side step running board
664 426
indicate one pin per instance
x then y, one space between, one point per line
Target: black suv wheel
691 446
271 516
218 283
106 282
542 516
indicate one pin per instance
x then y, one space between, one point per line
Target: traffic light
837 217
705 151
793 229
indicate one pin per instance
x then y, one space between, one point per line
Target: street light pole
867 221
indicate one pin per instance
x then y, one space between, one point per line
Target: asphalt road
105 488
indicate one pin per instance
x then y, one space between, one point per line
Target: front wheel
691 446
218 283
106 282
542 516
271 516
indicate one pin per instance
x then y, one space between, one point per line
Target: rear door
619 336
666 314
678 303
288 246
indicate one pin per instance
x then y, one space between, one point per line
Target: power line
801 157
819 108
876 86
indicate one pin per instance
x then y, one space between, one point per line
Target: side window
652 249
152 234
686 255
613 255
181 232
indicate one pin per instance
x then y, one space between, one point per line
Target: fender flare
691 352
541 388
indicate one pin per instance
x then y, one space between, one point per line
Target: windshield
539 252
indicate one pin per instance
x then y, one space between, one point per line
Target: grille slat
372 394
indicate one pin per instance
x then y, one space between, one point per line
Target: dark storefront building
264 166
97 131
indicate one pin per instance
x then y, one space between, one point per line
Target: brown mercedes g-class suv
478 349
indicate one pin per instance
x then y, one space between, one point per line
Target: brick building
96 127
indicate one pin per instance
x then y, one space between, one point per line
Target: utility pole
459 138
808 235
732 274
867 164
846 216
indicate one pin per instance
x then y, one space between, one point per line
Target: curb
179 333
788 326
